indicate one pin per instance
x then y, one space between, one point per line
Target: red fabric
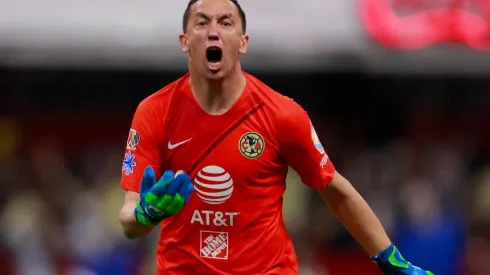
427 25
232 223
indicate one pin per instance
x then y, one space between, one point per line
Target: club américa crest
133 139
251 145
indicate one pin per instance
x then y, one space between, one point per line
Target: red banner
414 24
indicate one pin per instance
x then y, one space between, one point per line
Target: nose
213 37
213 33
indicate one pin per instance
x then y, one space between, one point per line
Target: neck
217 96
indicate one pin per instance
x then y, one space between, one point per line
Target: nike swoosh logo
173 146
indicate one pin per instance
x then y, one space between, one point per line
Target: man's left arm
359 219
303 151
355 214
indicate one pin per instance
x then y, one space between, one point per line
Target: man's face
214 38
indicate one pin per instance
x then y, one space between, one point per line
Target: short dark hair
187 14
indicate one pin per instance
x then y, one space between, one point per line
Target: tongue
214 65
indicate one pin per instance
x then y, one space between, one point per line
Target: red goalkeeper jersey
238 161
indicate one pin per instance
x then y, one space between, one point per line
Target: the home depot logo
214 245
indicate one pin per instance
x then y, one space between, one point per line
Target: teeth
214 65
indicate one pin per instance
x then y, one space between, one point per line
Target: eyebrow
226 16
207 17
203 15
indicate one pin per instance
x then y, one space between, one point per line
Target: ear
244 44
183 42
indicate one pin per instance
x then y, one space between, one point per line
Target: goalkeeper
235 137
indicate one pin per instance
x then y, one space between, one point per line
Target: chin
215 75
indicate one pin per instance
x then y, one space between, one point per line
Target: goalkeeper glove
391 262
163 198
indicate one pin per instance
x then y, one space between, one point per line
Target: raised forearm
132 229
362 223
356 215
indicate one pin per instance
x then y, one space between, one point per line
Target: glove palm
162 198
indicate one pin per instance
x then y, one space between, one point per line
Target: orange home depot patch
214 245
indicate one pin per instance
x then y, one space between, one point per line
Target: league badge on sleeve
316 140
133 139
128 163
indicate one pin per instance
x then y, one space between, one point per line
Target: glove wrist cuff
142 217
390 259
384 255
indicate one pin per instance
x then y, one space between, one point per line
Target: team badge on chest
251 145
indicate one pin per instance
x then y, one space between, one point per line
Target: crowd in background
425 170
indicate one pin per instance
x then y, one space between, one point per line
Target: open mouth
214 55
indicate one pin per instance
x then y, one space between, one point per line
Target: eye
226 23
202 23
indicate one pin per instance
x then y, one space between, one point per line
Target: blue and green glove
162 198
391 262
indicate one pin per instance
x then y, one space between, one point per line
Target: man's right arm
132 229
142 150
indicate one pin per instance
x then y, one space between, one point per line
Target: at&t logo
213 185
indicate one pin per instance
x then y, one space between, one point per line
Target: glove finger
161 187
147 180
175 205
164 201
186 190
166 178
177 183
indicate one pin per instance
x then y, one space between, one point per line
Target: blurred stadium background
409 128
